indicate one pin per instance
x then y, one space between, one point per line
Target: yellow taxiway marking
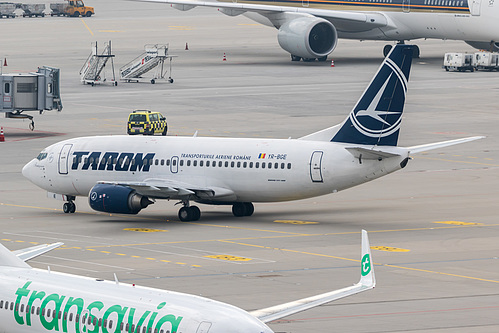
180 27
295 222
144 230
88 28
389 249
228 257
457 223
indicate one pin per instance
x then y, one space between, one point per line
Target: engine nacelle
116 199
308 37
487 46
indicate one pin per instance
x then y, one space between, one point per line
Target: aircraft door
174 164
316 167
7 93
204 327
475 7
406 6
63 159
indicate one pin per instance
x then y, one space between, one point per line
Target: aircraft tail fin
367 282
376 118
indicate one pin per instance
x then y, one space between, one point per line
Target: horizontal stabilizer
35 251
367 282
370 154
436 145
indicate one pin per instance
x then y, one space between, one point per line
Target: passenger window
201 163
257 165
238 164
195 163
174 162
270 165
251 165
245 164
289 165
282 165
207 163
167 162
162 162
226 164
276 165
263 165
232 164
181 162
219 165
213 164
188 162
156 162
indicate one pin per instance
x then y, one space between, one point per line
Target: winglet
367 279
367 282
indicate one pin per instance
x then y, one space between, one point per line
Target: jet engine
308 37
116 199
487 46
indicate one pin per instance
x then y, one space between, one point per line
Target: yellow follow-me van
146 122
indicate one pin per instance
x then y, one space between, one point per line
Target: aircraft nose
31 172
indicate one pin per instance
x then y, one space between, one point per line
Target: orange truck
73 8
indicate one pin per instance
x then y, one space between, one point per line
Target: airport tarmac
434 223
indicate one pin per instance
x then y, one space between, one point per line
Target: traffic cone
186 47
5 62
332 63
225 58
2 137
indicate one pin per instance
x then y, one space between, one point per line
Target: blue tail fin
376 118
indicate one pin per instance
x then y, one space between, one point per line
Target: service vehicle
459 62
146 122
487 61
71 8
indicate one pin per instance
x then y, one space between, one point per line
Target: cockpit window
41 156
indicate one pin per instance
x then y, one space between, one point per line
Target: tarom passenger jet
310 29
124 174
35 301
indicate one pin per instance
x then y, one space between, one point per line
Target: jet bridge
93 70
22 92
153 57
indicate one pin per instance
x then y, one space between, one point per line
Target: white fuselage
249 170
32 296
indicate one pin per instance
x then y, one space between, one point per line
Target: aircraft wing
35 251
172 189
348 21
367 282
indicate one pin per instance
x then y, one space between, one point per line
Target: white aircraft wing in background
367 282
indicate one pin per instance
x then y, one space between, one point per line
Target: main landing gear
192 213
69 207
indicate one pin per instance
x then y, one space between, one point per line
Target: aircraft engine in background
118 199
488 46
309 38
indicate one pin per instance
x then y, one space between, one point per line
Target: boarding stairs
92 71
153 57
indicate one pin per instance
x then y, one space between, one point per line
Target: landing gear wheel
69 207
322 59
242 209
153 81
295 58
387 49
170 80
250 209
164 131
187 214
32 125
